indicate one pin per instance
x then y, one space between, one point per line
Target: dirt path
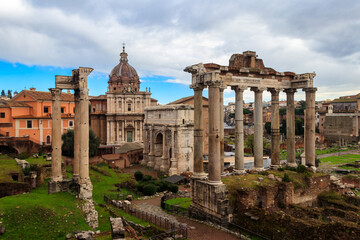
197 231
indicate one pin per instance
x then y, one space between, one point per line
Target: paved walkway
338 153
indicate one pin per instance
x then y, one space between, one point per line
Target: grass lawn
8 165
38 215
335 160
39 161
181 202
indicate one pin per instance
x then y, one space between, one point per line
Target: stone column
275 128
214 134
258 130
173 166
56 174
163 157
151 162
76 163
290 127
310 127
239 128
107 132
84 136
222 154
198 132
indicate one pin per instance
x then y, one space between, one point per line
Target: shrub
24 155
173 188
163 186
147 178
301 168
281 169
286 178
291 169
138 176
149 190
140 187
317 162
26 171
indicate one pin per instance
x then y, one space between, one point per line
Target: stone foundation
210 202
59 186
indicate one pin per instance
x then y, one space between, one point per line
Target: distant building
118 116
339 120
29 114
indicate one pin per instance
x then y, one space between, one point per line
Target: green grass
38 215
128 217
335 160
38 161
181 202
7 166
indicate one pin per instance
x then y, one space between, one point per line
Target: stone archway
159 145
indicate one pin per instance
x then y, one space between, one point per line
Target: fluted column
258 129
151 162
198 132
56 175
239 128
222 154
84 135
76 163
214 134
310 127
275 128
290 127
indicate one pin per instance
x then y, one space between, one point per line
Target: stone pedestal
59 186
210 202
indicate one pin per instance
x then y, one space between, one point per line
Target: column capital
55 93
310 89
274 91
197 86
222 87
239 88
290 90
214 84
257 89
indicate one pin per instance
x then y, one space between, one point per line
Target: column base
239 171
76 178
311 169
291 164
215 182
85 190
59 186
199 175
275 166
258 169
173 171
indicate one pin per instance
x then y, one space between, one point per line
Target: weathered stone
69 236
271 176
260 179
129 197
117 228
85 235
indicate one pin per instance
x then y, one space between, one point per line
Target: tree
268 127
9 95
299 126
68 143
282 111
3 93
283 127
249 142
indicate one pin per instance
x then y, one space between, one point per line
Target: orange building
29 114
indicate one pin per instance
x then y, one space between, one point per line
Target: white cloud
164 37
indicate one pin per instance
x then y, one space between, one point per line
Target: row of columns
216 128
81 136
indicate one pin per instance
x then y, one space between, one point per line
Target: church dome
123 75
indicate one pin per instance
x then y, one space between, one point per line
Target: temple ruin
209 195
81 179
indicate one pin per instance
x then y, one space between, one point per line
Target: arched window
48 139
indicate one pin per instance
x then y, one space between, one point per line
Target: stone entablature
168 138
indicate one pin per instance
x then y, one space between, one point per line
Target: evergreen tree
3 93
9 95
68 143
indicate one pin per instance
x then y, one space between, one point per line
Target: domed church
118 116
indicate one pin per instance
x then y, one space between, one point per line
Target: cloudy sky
42 38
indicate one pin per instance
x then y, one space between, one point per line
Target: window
62 110
73 110
129 107
29 123
48 139
7 134
93 109
159 116
46 109
71 123
114 88
2 115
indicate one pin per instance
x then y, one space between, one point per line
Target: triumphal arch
245 71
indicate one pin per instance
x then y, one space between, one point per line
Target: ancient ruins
245 71
168 138
81 179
